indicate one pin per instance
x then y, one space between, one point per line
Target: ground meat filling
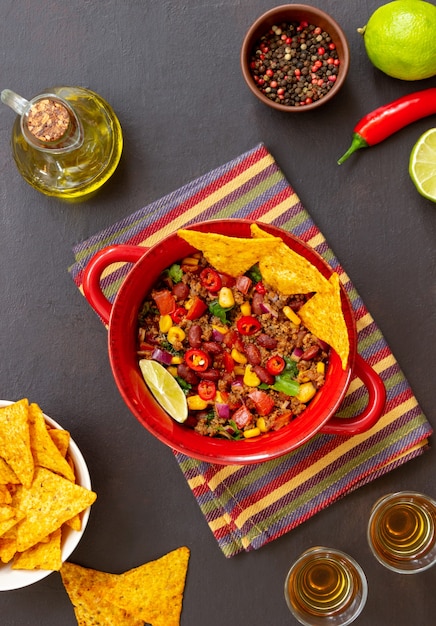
237 348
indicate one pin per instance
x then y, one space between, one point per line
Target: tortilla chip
290 273
6 512
45 452
7 475
61 439
8 547
84 587
323 316
5 495
50 501
153 591
259 233
15 440
75 522
230 255
43 555
7 527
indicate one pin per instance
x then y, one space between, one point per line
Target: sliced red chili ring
275 364
210 279
206 389
197 360
178 314
248 325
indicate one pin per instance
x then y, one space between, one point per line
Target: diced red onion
296 354
162 356
216 335
266 308
223 410
323 345
238 382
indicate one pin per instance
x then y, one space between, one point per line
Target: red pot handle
95 268
373 410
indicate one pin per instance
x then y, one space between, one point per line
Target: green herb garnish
175 273
220 312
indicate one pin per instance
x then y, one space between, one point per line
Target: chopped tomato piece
248 325
206 390
242 417
282 420
260 288
229 364
243 283
262 401
232 339
197 360
165 301
227 280
211 280
275 364
197 309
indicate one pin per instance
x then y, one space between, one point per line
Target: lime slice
165 389
422 165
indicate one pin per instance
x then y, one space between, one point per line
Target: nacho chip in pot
229 255
322 315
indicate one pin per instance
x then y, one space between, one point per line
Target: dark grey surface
171 72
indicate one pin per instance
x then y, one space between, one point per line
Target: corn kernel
165 323
237 356
176 360
306 393
320 367
261 425
239 370
246 308
251 378
225 297
195 403
172 370
291 315
252 432
190 260
219 398
175 333
221 329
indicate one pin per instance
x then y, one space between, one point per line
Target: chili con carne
386 120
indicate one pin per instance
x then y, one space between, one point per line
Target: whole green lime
400 39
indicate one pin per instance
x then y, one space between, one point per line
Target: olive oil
325 586
402 531
79 170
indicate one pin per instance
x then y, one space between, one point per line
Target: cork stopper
48 120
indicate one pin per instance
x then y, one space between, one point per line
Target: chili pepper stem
357 143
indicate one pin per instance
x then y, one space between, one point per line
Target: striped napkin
249 506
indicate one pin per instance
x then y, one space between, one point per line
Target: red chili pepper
387 120
197 309
229 364
206 390
210 279
197 360
275 364
178 314
248 325
260 288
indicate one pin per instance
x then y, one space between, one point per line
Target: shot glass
402 532
325 586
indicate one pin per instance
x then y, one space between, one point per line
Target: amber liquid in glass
403 530
325 584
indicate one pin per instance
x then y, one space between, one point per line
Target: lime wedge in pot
165 389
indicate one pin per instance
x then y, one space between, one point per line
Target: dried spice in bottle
295 63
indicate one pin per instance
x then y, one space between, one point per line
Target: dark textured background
171 71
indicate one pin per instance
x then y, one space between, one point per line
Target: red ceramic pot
121 318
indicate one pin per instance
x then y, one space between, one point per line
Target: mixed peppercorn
237 348
295 64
